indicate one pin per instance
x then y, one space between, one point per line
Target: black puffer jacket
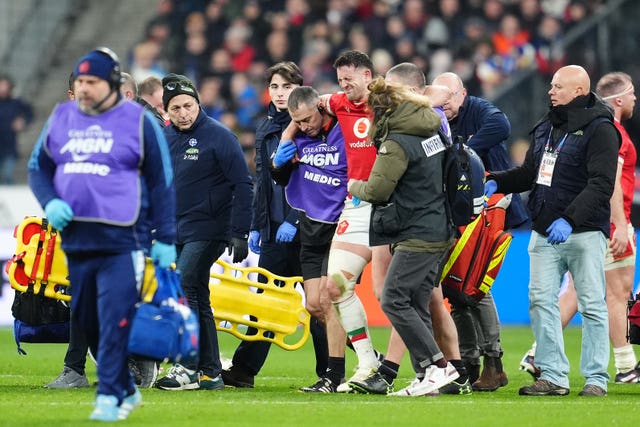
584 172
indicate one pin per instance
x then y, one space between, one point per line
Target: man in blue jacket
213 211
102 172
484 128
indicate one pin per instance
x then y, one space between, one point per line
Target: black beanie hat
177 84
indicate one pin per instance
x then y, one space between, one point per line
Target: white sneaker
414 382
360 375
434 378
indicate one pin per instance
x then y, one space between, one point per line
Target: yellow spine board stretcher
274 308
39 260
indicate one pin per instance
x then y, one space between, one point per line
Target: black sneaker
324 385
373 384
179 378
236 378
455 387
632 376
543 388
211 383
593 390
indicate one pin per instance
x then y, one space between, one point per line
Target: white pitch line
349 402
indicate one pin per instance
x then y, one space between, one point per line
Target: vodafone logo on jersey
361 127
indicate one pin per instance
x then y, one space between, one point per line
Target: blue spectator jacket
213 185
485 128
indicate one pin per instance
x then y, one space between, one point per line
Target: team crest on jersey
191 154
342 227
361 127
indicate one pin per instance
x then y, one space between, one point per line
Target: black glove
239 248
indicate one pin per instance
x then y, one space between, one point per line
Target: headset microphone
98 104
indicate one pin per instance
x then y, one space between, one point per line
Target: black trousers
76 356
281 259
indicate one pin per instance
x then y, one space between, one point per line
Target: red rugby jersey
355 122
627 155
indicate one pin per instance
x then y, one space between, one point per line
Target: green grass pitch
276 402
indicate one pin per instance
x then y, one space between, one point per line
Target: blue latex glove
559 231
59 213
490 187
286 232
162 254
355 200
285 152
254 241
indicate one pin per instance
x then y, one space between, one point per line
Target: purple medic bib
98 160
318 185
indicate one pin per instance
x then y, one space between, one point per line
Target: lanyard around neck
547 147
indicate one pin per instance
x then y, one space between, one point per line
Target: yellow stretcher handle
275 309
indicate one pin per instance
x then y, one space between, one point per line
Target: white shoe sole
184 387
428 388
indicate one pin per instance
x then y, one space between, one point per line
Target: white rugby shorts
353 225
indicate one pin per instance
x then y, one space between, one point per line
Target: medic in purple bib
102 172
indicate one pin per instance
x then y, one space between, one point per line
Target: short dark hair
288 70
409 73
305 95
354 58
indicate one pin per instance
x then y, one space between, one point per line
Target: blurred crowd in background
225 46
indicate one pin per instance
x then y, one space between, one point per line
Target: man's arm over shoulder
325 102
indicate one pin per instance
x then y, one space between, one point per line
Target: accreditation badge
546 168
